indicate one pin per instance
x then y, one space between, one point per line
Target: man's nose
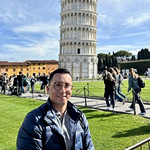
63 89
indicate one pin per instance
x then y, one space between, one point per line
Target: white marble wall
78 37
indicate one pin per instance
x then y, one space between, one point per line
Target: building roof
42 61
6 63
27 62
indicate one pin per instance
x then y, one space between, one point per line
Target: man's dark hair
59 70
20 72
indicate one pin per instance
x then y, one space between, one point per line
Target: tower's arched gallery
78 41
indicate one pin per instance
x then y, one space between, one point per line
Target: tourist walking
32 81
110 89
133 84
119 81
19 83
44 80
4 82
24 83
1 82
28 83
114 74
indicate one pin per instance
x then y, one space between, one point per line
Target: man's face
60 89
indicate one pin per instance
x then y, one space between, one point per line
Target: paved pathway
96 104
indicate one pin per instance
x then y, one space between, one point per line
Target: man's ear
47 89
72 88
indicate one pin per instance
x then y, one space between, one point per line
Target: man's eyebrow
60 82
57 82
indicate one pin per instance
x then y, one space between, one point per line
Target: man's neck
60 108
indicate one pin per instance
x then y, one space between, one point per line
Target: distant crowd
113 79
18 84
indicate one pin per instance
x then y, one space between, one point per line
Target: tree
133 57
101 55
113 60
116 63
101 61
106 60
122 54
144 54
109 62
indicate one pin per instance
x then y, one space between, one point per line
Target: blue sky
29 29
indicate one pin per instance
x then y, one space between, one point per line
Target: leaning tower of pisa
78 41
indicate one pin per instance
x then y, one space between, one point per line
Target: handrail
140 144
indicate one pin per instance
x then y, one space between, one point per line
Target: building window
21 69
43 63
39 64
33 63
27 69
91 23
33 68
14 70
7 69
39 68
43 68
78 51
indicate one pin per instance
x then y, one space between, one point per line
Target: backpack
15 81
120 79
1 80
141 83
32 81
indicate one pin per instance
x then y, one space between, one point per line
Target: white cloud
134 52
48 48
137 21
135 34
40 48
114 48
101 17
38 27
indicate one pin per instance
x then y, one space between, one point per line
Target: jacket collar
50 116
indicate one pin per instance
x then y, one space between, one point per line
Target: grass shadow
133 132
91 113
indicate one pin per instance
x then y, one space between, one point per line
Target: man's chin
62 99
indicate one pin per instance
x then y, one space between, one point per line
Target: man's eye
67 85
58 85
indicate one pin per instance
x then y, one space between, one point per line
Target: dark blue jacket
40 130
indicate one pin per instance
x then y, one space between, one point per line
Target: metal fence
145 144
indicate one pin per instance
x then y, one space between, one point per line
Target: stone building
78 32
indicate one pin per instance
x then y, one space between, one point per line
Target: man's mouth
62 96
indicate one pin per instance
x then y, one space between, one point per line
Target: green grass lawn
110 131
